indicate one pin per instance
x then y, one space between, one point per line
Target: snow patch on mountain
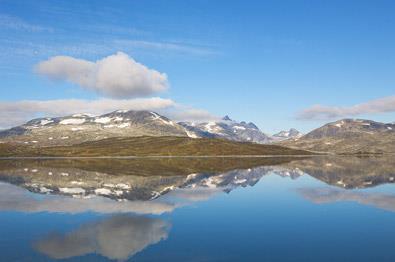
45 122
161 118
73 121
103 120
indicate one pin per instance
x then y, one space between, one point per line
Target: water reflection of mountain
118 237
348 172
172 166
15 198
87 178
147 178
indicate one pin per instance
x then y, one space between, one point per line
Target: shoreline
137 157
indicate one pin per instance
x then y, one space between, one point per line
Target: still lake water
304 209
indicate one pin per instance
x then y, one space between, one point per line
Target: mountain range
346 136
79 128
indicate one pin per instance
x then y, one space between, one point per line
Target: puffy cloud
15 113
382 105
116 76
118 238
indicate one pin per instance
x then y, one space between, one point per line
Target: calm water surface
306 209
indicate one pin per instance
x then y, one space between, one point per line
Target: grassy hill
150 146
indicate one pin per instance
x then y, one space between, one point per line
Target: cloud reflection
118 237
329 195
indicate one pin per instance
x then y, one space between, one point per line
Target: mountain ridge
345 136
229 129
82 127
79 128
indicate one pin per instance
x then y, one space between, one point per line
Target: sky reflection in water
314 209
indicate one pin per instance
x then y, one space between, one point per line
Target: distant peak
252 125
226 118
294 131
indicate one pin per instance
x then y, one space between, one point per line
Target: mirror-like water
198 209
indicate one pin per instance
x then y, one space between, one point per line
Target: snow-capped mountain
79 128
227 129
290 134
85 127
350 127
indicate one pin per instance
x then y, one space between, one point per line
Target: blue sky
259 61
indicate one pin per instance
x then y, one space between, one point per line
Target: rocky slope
80 128
348 136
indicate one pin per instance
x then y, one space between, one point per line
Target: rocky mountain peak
227 129
227 118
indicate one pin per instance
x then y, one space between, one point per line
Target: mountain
348 136
80 128
284 135
227 128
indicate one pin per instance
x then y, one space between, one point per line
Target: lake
198 209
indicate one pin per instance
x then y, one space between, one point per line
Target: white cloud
168 46
182 113
117 76
320 112
16 113
15 23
